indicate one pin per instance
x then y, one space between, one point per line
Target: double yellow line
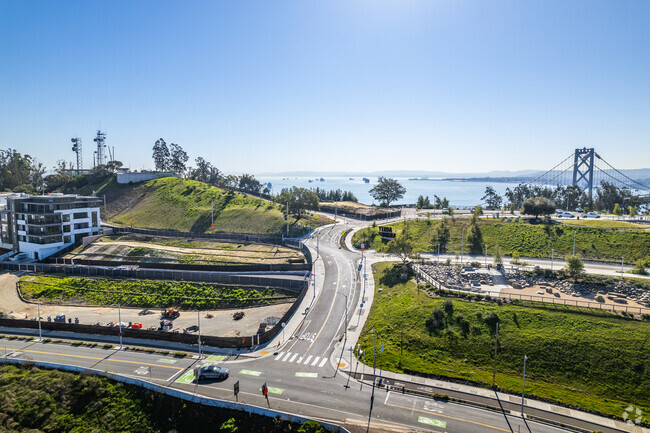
99 359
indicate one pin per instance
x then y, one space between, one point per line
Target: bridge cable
549 171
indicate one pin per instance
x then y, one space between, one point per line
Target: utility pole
198 318
212 211
40 335
552 259
486 247
438 253
622 258
523 387
287 219
494 368
574 242
462 246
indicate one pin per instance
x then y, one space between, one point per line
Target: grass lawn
597 361
606 224
145 293
529 240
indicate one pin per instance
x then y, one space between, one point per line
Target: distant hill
185 205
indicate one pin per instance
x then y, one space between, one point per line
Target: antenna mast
76 147
101 154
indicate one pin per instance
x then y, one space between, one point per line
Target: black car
211 372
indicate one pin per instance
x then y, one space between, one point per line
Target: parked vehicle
566 215
59 318
591 215
211 372
136 325
166 325
170 313
579 209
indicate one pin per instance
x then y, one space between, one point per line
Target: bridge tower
583 170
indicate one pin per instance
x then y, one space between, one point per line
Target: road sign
236 387
381 349
265 389
363 246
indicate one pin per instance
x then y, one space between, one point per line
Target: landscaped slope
186 205
588 358
529 240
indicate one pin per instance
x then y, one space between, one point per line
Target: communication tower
101 148
76 147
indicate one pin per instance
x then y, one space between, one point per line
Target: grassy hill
596 361
529 240
185 205
36 400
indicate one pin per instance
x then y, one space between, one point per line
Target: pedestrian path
297 358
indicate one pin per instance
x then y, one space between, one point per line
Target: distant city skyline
334 86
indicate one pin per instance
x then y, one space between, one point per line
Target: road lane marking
264 352
306 374
338 277
387 395
299 360
449 417
286 356
315 361
188 377
434 422
322 362
215 358
274 390
167 361
251 372
295 355
174 375
279 356
308 359
102 359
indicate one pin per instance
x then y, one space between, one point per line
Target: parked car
211 372
136 325
591 215
579 209
566 215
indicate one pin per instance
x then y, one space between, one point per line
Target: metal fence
535 298
221 236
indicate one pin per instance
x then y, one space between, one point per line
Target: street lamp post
622 259
198 318
462 246
486 247
552 258
119 321
438 253
574 242
345 339
523 387
40 334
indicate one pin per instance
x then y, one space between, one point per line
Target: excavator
170 313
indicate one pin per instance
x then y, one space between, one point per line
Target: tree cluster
298 200
438 203
20 173
387 190
172 158
335 195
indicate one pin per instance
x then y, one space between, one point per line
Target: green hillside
590 359
529 240
185 205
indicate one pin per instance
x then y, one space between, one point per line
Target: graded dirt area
582 301
148 249
220 324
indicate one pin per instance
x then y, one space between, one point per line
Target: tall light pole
574 242
494 368
486 247
374 361
462 246
345 340
622 258
40 334
287 219
198 318
438 253
552 259
523 387
119 321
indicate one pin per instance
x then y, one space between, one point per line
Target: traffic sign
265 390
236 387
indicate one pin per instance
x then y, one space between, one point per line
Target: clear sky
265 86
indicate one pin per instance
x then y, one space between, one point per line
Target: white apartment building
39 226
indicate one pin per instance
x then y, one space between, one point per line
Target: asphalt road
301 373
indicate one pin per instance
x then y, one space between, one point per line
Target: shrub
449 307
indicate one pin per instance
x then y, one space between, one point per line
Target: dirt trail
9 299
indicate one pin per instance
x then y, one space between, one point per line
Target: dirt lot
172 250
220 324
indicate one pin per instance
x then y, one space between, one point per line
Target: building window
66 218
66 239
94 219
80 215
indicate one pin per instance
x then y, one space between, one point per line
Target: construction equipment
170 313
165 325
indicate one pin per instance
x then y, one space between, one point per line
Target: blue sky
263 86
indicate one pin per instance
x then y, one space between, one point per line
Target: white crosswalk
301 359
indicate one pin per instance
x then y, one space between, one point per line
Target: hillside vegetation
145 293
529 240
593 360
186 205
36 400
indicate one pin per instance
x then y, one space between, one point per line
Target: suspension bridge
586 170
